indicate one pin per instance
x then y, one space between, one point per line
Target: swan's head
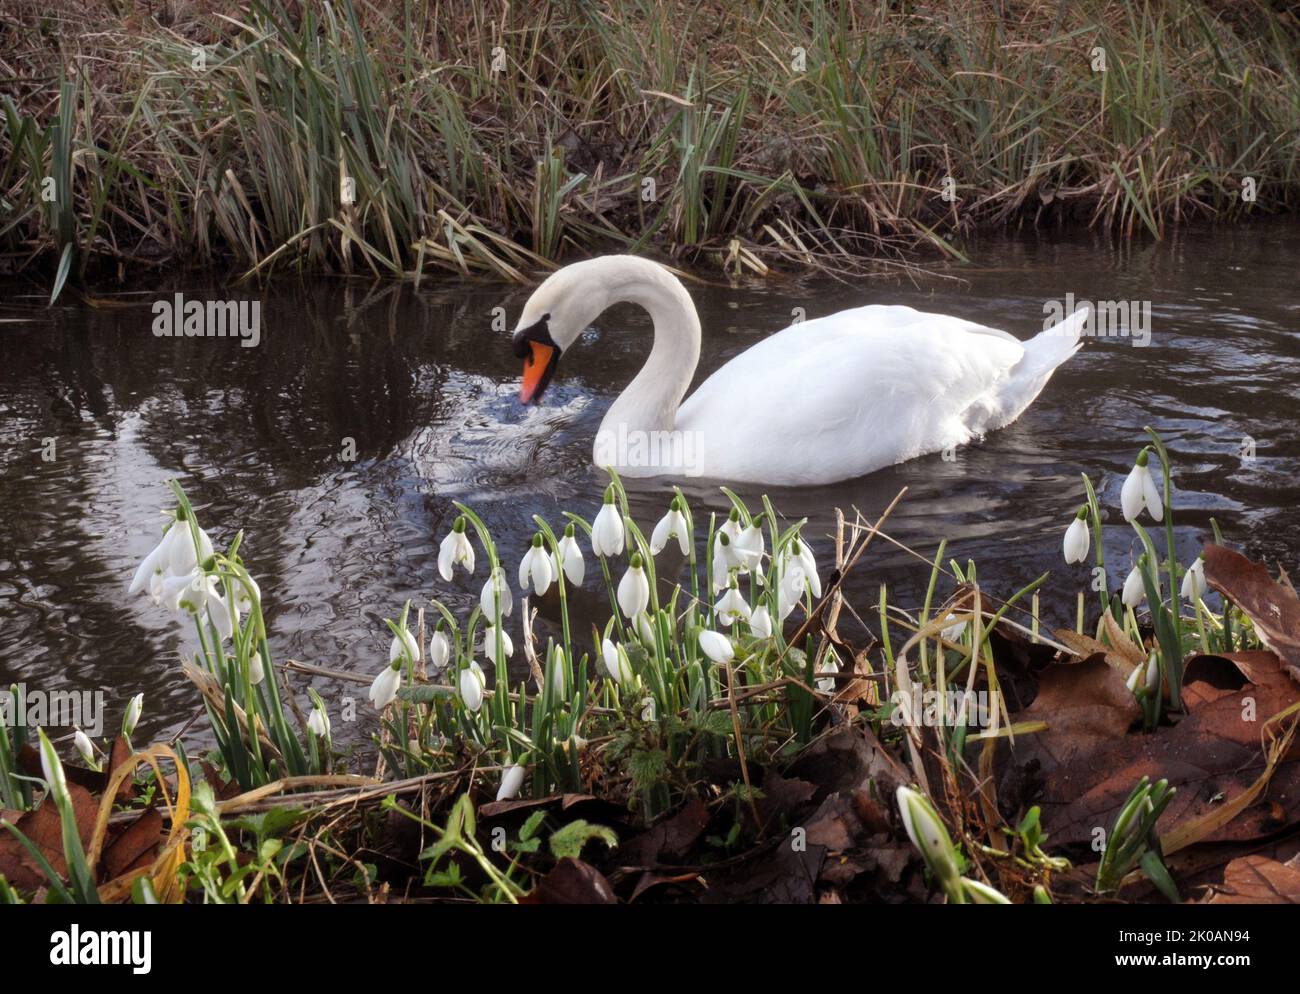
555 315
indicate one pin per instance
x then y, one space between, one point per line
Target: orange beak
537 369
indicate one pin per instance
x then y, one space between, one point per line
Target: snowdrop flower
830 664
616 662
244 596
496 589
633 589
385 686
1077 537
318 723
132 717
731 607
403 647
511 780
184 555
439 647
803 554
731 527
154 566
256 674
471 683
86 748
455 551
607 529
1135 590
1140 491
535 569
671 525
1194 581
760 622
570 558
717 646
750 544
954 631
928 834
490 644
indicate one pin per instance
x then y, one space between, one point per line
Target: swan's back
844 395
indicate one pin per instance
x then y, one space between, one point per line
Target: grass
404 138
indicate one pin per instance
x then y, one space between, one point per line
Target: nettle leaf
529 828
569 841
270 823
647 767
637 657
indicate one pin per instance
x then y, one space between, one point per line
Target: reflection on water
417 384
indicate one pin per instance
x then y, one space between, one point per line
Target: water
426 392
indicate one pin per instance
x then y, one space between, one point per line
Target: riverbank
399 140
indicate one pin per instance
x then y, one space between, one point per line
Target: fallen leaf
1273 607
573 882
1257 880
672 838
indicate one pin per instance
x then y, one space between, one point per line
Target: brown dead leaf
135 846
1272 606
572 882
1257 879
1081 770
671 838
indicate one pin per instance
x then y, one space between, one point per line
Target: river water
96 412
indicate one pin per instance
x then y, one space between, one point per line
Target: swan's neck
651 400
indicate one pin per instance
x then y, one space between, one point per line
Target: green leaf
569 841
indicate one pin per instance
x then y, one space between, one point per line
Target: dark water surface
427 391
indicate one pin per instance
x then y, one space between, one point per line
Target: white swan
824 400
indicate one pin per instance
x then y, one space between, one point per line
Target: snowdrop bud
535 569
928 834
1153 672
86 748
511 780
256 673
1077 537
1194 581
51 767
318 723
385 686
559 674
1135 590
616 662
1140 491
717 646
760 622
439 647
403 647
133 709
471 683
607 529
645 628
634 589
830 664
455 550
981 893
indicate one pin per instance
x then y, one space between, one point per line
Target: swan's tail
1043 353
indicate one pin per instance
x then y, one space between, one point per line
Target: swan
826 399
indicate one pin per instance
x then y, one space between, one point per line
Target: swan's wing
844 395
